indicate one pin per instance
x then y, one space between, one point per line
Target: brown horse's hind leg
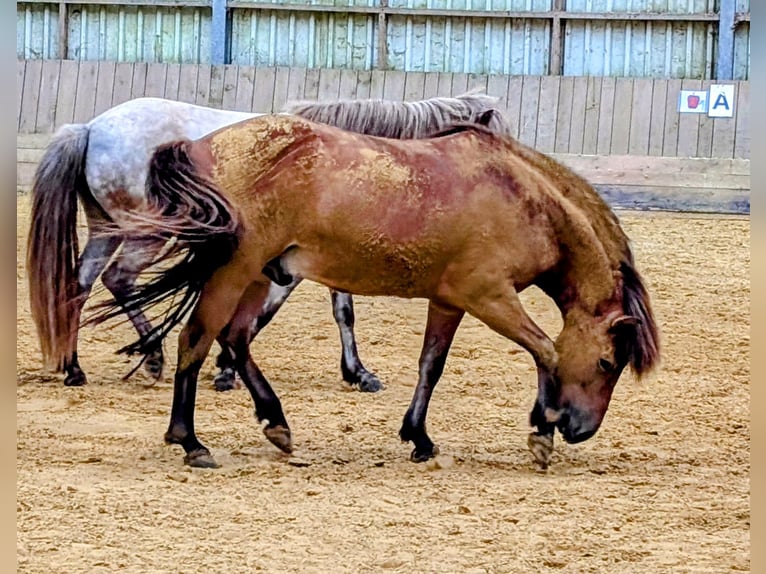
351 365
259 318
440 330
236 338
96 254
215 307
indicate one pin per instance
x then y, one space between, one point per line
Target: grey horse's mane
403 120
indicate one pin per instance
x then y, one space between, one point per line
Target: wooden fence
625 134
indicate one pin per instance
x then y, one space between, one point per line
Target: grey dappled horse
104 164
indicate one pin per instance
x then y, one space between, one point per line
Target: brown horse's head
593 350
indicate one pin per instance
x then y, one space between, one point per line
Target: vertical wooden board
243 99
296 84
376 84
123 82
49 85
592 108
138 86
705 134
430 85
85 101
263 98
515 88
445 84
215 97
363 83
724 133
742 136
657 116
104 87
311 87
477 82
605 116
155 80
577 124
414 84
202 92
530 98
459 84
688 125
564 115
670 136
229 95
329 84
187 83
638 143
546 122
21 66
67 92
497 87
29 99
393 86
348 80
623 110
281 84
172 79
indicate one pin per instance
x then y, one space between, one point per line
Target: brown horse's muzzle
576 426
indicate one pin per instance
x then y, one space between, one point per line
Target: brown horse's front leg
540 442
440 330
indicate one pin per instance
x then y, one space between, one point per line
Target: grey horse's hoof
200 459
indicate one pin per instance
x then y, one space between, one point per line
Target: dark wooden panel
49 87
30 98
85 102
104 87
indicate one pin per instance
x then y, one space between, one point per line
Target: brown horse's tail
52 248
187 208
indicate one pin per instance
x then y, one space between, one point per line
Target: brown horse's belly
363 269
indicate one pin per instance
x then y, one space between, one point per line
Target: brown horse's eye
605 366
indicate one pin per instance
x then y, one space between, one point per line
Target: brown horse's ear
624 321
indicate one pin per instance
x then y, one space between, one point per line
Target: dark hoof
155 364
422 455
280 437
226 380
200 459
77 379
368 383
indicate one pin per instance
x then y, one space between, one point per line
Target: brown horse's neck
584 277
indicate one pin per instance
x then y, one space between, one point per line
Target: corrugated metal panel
37 32
126 33
742 44
305 39
675 50
417 43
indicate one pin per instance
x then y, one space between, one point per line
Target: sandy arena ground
663 487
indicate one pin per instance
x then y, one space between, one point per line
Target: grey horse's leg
137 254
96 254
343 310
351 366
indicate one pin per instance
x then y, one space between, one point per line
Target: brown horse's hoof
541 446
280 437
200 459
423 455
75 380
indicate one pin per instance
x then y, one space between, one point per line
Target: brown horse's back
409 213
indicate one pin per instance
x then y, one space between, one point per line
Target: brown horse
466 219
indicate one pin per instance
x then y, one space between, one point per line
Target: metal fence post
725 69
218 33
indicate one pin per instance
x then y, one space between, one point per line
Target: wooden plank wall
624 134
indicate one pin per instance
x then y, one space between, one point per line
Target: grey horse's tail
52 247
